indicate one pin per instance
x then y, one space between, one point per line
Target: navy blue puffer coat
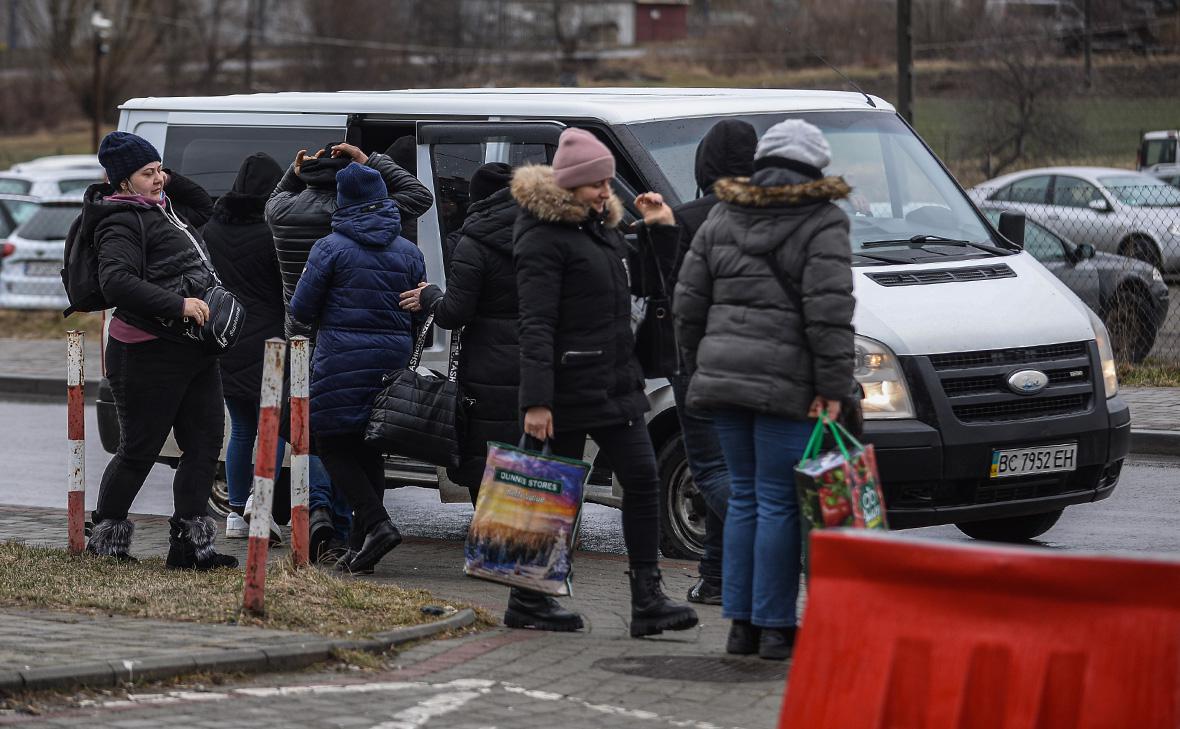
350 288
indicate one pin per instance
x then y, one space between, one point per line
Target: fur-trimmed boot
652 612
112 538
190 545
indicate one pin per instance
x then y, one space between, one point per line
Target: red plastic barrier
913 634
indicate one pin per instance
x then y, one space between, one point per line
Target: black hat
404 152
122 153
488 180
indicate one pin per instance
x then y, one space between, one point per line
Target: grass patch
70 138
308 600
41 324
1149 373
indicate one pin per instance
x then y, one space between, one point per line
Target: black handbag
416 415
226 314
655 339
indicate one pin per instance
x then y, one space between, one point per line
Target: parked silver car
31 274
1114 210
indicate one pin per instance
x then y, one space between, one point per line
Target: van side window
211 156
454 164
1159 152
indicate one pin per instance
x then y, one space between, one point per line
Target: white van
990 389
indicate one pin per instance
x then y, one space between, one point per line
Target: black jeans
358 470
628 450
160 386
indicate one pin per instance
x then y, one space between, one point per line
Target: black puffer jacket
146 276
576 346
745 342
481 296
299 212
243 253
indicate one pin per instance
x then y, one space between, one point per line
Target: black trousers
629 452
358 470
161 386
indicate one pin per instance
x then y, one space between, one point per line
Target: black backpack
80 274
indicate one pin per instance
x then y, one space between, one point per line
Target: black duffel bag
416 415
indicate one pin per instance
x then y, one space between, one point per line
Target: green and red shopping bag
841 487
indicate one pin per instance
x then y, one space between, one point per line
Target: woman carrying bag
349 290
579 375
765 363
153 269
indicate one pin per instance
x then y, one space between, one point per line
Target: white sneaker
276 536
236 527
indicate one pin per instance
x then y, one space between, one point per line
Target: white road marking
430 708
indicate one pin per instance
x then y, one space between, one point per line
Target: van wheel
682 509
1131 334
218 507
1012 528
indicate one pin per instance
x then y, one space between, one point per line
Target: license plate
42 268
1042 459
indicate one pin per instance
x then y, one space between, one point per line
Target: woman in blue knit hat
350 291
153 268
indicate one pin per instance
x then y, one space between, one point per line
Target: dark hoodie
243 253
726 150
299 211
481 296
147 264
350 290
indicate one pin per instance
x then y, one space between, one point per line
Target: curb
284 656
1155 442
42 388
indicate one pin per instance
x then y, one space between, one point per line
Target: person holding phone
579 375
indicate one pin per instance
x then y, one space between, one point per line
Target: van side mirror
1100 206
1012 227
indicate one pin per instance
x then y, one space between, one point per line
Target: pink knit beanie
581 159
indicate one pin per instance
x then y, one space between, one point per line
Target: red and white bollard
300 437
76 433
254 594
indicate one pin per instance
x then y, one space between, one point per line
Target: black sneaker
705 592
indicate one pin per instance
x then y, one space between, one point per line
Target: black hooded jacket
299 212
726 150
243 253
481 296
147 262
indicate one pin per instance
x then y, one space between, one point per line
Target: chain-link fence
1113 238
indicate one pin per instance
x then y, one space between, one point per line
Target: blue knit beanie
122 153
356 184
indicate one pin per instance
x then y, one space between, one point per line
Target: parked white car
1115 210
47 178
31 275
88 162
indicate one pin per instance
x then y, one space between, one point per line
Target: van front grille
1023 355
1023 409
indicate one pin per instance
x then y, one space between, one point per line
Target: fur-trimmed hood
535 190
741 191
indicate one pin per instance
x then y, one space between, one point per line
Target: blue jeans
706 463
762 537
239 453
321 495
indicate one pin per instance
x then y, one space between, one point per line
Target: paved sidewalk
599 677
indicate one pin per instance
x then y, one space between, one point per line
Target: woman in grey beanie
767 361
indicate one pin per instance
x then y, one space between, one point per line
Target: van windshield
899 190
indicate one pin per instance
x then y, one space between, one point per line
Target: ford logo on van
1028 382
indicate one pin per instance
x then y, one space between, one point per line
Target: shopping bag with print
840 487
526 519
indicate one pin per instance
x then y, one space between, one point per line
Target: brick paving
499 678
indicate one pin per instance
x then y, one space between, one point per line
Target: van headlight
1110 374
887 397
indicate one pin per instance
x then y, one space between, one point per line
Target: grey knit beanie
796 140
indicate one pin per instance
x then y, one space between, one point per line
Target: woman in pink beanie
579 375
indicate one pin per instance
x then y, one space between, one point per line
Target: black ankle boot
528 609
320 531
112 538
380 540
776 644
743 638
651 611
706 591
190 545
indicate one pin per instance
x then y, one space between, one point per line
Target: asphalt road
1140 517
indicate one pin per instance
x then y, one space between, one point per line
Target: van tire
682 511
1012 528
